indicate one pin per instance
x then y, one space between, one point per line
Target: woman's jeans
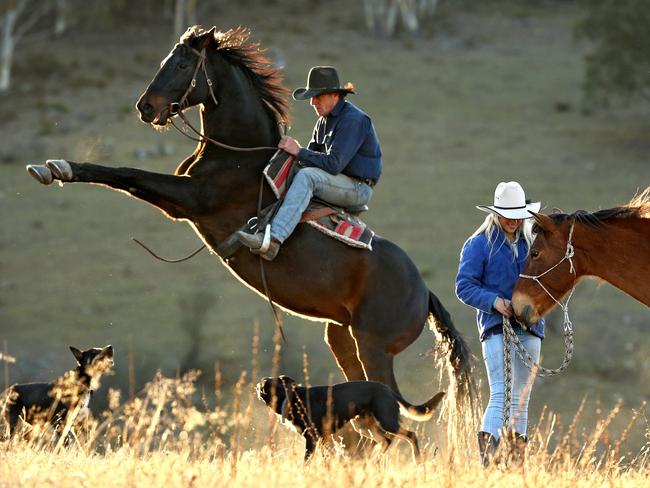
311 182
522 383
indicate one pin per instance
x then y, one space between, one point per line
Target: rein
176 108
510 338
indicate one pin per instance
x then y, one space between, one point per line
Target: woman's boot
519 449
516 443
487 447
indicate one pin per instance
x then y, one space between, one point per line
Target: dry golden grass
164 437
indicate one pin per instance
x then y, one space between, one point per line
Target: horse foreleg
344 348
174 195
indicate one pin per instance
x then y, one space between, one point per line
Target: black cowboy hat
321 79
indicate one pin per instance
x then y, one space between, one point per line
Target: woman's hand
504 307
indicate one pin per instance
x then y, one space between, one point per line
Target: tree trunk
7 48
61 24
179 19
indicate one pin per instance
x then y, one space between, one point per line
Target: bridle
568 255
510 338
176 108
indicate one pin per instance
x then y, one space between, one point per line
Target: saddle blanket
331 221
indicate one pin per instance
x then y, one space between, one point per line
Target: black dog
51 402
321 410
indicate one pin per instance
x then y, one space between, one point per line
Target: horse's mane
637 208
235 46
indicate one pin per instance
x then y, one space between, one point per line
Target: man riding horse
341 164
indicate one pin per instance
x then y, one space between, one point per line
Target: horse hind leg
344 348
376 361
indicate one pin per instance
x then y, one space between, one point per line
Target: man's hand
290 145
504 307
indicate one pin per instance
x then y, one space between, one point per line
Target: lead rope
177 109
276 315
510 338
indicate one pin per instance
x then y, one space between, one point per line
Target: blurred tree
62 16
619 65
17 17
184 16
382 15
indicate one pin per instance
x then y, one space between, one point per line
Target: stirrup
266 243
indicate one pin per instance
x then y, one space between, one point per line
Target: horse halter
177 107
568 254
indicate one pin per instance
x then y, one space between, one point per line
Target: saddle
340 223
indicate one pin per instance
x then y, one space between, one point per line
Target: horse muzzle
153 110
525 315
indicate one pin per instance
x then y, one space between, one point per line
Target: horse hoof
60 168
40 173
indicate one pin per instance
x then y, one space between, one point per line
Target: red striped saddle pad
332 221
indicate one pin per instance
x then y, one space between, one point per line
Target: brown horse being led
611 244
374 303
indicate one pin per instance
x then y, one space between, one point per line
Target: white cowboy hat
510 202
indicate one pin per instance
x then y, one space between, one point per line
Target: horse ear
544 221
207 38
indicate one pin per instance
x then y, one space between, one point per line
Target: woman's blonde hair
491 226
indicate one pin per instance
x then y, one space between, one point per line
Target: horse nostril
145 108
524 317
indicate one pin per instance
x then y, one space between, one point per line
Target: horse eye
182 66
534 253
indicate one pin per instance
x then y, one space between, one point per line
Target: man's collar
338 107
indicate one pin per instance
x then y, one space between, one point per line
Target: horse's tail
460 356
419 412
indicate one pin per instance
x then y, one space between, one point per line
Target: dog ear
78 355
286 380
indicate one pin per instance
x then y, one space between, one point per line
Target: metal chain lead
511 339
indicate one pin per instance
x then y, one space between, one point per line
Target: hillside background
487 92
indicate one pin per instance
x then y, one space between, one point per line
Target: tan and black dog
321 410
52 401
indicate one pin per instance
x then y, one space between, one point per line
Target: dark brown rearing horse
611 244
374 303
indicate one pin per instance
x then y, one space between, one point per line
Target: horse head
182 80
549 273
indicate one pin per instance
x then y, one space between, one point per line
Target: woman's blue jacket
487 271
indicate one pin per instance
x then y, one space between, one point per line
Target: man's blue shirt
344 142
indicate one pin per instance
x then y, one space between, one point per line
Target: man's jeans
340 190
522 383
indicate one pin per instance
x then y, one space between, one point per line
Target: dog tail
447 336
419 412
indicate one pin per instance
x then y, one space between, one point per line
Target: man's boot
255 242
487 447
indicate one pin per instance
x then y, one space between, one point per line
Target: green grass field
457 110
